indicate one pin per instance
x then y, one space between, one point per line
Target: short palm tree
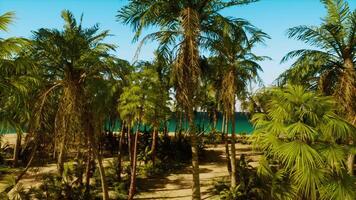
184 23
134 105
301 134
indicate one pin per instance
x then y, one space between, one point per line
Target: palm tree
233 46
157 110
330 68
131 108
304 141
184 23
16 81
68 57
69 60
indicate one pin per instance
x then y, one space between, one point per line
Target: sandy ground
8 138
176 185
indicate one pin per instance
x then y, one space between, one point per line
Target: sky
272 16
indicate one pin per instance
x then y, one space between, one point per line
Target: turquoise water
203 123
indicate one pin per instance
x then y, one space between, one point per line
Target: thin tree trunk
60 162
17 148
215 118
28 164
54 146
154 144
233 153
350 164
119 157
88 172
132 189
180 125
165 129
195 159
223 125
226 141
98 157
129 144
104 186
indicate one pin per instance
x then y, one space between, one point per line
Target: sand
176 185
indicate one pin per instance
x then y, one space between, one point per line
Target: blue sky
272 16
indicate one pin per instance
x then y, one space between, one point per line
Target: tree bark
223 125
119 157
98 157
195 159
17 148
60 162
347 96
129 144
88 172
350 164
132 189
154 145
104 186
226 141
233 153
215 118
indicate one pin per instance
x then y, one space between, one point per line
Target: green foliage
213 137
329 68
302 135
250 184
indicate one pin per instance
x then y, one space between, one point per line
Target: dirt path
178 185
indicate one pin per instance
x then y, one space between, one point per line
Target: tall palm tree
330 68
184 23
69 58
304 140
233 46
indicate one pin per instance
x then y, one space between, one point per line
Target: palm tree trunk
132 189
88 172
104 186
17 148
215 118
154 145
226 140
350 164
195 158
98 157
60 162
223 125
129 144
347 96
119 157
18 178
233 153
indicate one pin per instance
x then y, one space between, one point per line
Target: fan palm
301 134
233 46
184 23
330 68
